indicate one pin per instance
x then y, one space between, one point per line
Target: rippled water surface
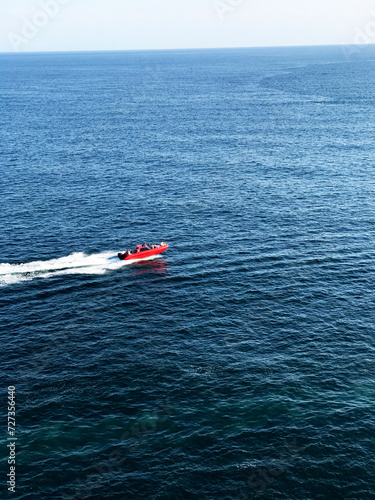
240 363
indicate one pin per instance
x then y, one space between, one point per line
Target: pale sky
62 25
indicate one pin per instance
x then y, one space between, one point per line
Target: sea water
239 364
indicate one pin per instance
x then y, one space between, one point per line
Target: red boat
143 252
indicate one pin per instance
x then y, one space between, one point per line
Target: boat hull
143 254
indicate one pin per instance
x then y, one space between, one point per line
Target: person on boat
136 249
127 253
162 244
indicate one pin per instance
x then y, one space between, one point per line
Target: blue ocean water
240 363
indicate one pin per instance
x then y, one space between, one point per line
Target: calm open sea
240 363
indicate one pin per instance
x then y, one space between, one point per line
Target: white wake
76 263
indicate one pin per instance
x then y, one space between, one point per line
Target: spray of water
76 263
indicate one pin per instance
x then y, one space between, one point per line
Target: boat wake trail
76 263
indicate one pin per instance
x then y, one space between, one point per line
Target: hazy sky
42 25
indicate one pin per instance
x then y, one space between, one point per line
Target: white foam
76 263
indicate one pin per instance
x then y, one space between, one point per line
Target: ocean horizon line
185 49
